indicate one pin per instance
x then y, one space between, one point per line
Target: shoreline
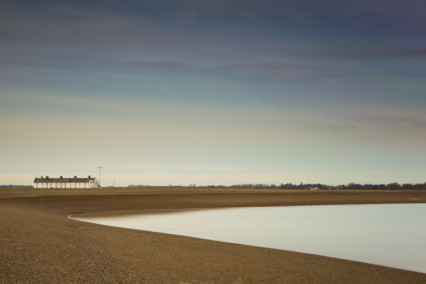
200 217
40 244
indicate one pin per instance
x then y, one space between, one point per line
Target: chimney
75 176
41 176
61 176
89 176
47 176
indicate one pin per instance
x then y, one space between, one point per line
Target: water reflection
391 235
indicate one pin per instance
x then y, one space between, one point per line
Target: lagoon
387 234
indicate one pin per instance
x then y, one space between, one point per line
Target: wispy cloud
277 84
241 38
413 125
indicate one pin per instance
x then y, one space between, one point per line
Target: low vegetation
317 186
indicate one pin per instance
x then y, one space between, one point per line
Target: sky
161 92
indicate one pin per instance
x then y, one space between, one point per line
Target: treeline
316 186
350 186
10 186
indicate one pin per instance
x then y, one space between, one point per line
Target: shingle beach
40 244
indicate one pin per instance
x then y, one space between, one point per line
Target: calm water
391 235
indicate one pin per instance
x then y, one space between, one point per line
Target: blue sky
213 92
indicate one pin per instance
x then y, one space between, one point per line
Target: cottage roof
63 180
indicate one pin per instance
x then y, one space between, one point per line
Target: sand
39 244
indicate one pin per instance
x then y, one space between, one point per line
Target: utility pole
100 175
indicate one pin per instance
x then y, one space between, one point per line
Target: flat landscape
39 244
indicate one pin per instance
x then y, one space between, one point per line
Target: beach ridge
41 244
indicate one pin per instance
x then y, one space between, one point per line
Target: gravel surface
39 244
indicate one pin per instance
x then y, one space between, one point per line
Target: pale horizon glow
179 92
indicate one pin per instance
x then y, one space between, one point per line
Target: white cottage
61 182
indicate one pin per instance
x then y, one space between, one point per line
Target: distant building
61 182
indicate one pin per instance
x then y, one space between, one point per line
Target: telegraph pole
100 175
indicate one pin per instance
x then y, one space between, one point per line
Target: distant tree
393 186
408 186
355 186
420 186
